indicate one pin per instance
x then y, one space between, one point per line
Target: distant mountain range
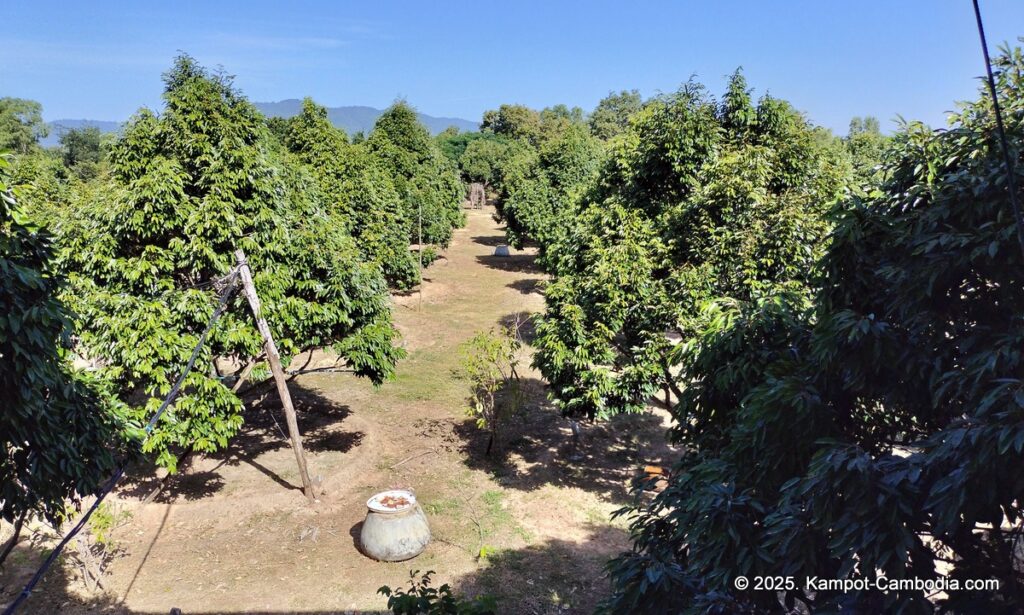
355 119
59 127
351 119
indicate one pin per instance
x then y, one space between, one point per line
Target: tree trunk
575 426
14 538
181 464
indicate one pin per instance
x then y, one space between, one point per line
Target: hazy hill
355 119
59 127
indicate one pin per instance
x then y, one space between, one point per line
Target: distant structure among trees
477 196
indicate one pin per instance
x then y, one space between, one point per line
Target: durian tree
358 192
147 253
426 179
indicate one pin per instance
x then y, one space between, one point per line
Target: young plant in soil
489 361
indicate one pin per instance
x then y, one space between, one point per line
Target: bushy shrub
489 360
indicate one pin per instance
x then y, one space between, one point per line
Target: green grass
497 517
596 517
553 582
444 506
427 376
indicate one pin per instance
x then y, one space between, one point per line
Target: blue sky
832 59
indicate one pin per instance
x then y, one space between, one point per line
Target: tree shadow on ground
59 589
518 263
264 431
62 590
536 448
524 321
529 286
571 574
491 240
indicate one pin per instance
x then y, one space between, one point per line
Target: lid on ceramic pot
391 501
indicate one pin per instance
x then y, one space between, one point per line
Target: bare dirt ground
530 524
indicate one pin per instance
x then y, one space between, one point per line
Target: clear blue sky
832 59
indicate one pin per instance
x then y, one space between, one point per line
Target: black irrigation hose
1011 179
112 481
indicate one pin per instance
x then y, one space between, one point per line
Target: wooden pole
420 210
270 348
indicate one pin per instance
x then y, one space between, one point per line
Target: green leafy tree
278 126
358 191
82 151
448 133
547 204
452 142
684 210
871 427
737 109
560 112
146 254
657 162
43 190
540 182
58 431
516 122
864 125
425 178
867 144
482 159
312 133
611 116
21 124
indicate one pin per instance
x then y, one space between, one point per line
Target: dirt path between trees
530 524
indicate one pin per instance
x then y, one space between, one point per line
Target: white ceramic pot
395 528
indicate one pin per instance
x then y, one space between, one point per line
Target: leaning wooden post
275 367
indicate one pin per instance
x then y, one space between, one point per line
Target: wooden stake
420 214
270 348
